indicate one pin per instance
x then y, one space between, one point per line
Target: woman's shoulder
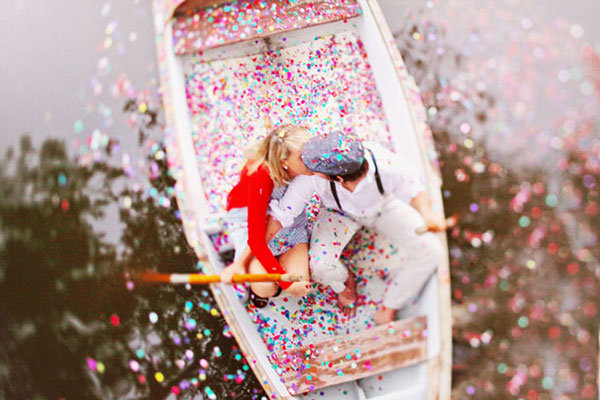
258 172
255 167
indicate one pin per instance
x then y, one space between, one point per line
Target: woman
272 163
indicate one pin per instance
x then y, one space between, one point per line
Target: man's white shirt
399 178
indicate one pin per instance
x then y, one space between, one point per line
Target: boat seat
353 356
201 25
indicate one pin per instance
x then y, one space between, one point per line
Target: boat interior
336 75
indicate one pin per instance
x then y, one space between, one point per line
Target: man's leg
331 233
398 221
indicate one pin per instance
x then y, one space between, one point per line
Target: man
364 185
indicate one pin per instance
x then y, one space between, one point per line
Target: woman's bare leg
295 261
262 289
273 226
238 266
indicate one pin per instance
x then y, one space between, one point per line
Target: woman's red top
254 191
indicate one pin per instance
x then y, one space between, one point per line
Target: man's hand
435 222
234 268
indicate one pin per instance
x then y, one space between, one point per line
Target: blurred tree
192 346
51 259
71 324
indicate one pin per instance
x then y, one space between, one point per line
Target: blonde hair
276 147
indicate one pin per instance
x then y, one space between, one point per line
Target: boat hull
408 134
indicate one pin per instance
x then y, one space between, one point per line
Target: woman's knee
296 260
264 289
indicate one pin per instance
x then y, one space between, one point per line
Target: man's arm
407 186
298 193
434 221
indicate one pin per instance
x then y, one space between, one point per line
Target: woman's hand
232 269
273 226
298 289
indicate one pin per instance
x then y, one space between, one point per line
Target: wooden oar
201 279
450 223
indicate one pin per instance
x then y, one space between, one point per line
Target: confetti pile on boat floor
324 84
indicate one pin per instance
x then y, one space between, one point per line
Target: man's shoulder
389 161
381 152
378 148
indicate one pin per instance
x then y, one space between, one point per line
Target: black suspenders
377 179
335 195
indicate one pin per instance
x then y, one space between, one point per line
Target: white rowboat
225 69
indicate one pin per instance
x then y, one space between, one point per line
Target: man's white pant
397 221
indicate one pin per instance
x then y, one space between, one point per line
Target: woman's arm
260 187
273 226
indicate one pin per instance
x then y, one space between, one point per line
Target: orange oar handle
201 279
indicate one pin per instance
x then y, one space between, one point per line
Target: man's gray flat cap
337 153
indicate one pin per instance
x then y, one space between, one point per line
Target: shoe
259 301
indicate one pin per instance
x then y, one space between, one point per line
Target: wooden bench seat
349 357
200 25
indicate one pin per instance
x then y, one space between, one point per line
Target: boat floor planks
350 357
195 27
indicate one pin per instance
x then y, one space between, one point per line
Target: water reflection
70 315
